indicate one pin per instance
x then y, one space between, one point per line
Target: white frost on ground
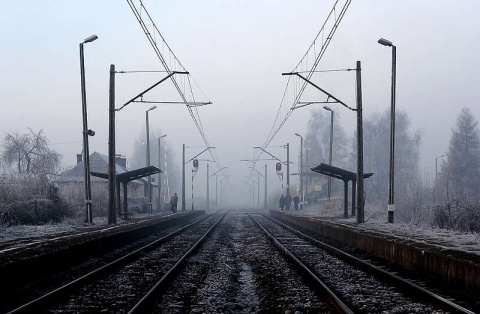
441 238
19 232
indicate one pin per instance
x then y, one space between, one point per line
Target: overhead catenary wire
279 121
170 66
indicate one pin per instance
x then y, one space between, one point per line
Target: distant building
74 178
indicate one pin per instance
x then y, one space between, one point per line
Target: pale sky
236 52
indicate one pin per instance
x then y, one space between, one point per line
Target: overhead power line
295 87
171 63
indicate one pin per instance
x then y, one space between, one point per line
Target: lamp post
306 172
149 188
331 150
436 166
159 205
86 133
301 168
391 200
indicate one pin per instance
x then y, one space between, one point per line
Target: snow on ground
8 233
420 233
445 239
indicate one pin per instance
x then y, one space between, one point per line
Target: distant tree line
452 201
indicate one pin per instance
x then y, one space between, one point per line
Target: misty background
236 52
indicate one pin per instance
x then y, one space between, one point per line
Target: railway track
233 262
99 290
354 285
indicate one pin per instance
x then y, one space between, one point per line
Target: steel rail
332 298
172 272
44 300
410 287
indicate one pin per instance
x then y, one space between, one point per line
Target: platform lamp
86 133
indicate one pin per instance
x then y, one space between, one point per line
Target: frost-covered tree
462 169
376 130
318 140
29 153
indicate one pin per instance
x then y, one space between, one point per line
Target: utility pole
183 178
159 205
265 199
288 168
112 217
360 200
216 192
208 188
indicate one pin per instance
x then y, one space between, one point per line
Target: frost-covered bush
457 215
33 212
26 200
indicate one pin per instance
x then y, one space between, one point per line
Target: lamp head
327 108
90 39
163 136
152 108
383 41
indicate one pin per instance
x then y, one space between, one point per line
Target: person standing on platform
173 202
288 201
296 200
282 202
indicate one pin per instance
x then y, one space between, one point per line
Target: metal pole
216 192
112 217
192 188
183 178
258 190
208 188
288 168
330 155
306 174
265 198
86 153
391 194
301 169
149 187
159 204
360 200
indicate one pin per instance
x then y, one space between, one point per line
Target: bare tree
29 152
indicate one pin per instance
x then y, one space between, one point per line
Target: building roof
338 173
98 164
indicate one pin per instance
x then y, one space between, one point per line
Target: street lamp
159 205
150 206
391 202
331 151
301 169
436 166
86 133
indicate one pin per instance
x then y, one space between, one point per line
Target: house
73 180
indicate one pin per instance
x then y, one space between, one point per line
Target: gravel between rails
361 291
119 291
239 271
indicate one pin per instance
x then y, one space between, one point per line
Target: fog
236 51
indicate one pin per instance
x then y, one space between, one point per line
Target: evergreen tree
463 165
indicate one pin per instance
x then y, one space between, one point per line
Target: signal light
195 163
278 166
